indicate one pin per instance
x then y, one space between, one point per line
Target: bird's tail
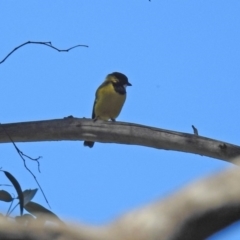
88 144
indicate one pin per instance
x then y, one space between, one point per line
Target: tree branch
195 212
118 132
48 44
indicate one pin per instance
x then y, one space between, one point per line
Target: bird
109 99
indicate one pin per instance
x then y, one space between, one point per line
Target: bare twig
195 131
48 44
22 155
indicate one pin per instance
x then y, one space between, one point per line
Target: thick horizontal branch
195 212
117 132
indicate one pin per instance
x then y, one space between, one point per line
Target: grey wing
93 112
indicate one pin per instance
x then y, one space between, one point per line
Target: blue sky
182 58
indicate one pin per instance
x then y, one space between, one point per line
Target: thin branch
22 155
195 131
48 44
118 132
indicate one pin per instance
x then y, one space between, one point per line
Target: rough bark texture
117 132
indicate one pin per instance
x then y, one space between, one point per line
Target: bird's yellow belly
109 105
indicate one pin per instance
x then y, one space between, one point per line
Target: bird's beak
129 84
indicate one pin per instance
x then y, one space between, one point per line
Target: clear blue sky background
182 58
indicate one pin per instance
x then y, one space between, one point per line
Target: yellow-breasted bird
109 99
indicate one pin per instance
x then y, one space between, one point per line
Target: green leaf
38 211
5 196
17 186
28 195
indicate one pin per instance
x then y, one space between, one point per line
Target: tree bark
117 132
